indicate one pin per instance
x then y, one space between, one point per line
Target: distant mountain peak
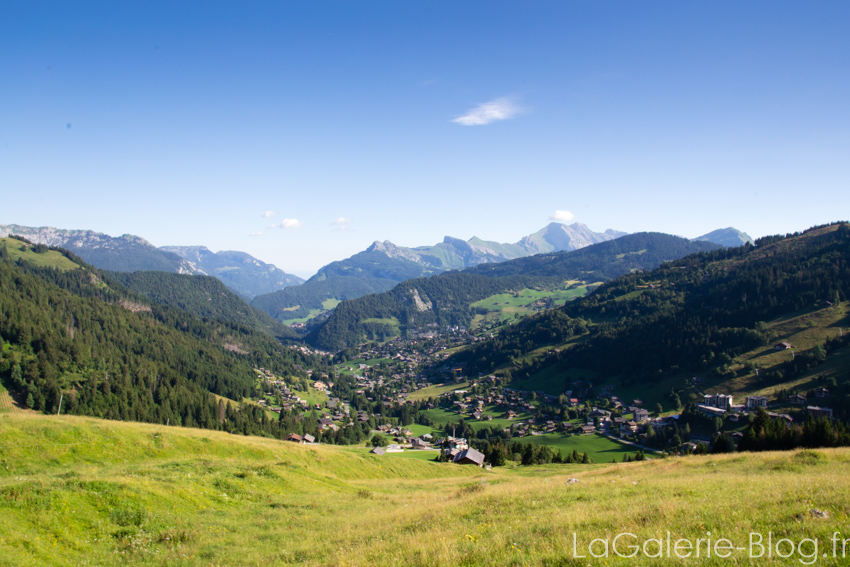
729 236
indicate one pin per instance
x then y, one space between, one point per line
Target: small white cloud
269 214
562 216
291 223
341 223
485 113
258 233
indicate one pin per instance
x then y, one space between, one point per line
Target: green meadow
50 258
80 491
437 390
506 306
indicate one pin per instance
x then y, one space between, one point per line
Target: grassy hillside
80 491
37 255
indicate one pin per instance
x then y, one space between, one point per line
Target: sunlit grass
77 491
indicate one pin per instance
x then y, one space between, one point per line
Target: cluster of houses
721 404
457 449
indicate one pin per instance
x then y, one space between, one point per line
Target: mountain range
288 298
716 314
383 265
239 271
420 305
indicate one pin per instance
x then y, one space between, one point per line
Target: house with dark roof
469 457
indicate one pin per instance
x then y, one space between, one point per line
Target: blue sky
408 121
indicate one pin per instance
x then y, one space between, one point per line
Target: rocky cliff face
454 253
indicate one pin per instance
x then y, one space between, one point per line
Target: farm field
79 491
418 454
313 313
598 447
505 306
353 366
437 390
441 416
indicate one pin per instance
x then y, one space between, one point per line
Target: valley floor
79 491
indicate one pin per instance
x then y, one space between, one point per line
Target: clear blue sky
185 122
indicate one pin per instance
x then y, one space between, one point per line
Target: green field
418 429
352 366
441 416
80 491
598 447
313 313
415 454
505 306
312 396
437 390
50 259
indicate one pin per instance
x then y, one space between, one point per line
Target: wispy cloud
269 214
341 223
291 224
258 233
487 112
562 216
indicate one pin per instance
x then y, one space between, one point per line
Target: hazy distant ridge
241 272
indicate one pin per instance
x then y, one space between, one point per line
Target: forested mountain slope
427 304
203 296
239 271
70 331
694 314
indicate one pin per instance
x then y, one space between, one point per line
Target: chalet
821 393
797 399
782 346
469 457
420 444
309 438
816 412
782 416
754 402
394 448
587 429
378 451
641 415
294 437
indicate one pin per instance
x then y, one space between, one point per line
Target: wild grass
50 258
437 390
77 491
